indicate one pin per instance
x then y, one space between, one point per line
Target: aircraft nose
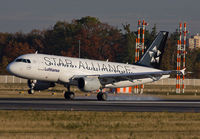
10 68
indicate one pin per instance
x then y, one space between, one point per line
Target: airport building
194 41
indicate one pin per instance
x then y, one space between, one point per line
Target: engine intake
88 84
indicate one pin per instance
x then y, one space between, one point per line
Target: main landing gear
102 96
68 94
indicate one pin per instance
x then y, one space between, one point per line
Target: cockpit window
18 60
23 60
28 61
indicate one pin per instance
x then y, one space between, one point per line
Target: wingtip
183 71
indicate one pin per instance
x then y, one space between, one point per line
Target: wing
113 78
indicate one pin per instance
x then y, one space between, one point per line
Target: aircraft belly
43 76
64 78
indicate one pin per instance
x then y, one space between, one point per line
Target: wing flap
112 78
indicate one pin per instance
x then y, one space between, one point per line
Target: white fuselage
61 69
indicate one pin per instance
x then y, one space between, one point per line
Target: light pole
79 48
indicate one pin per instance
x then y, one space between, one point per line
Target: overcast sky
25 15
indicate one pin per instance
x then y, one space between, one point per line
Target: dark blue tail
153 55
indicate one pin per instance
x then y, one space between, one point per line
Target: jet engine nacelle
39 85
88 84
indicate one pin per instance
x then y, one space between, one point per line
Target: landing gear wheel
99 96
102 96
69 95
30 91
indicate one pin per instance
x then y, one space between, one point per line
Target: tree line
99 41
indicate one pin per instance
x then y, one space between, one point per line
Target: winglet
180 72
183 71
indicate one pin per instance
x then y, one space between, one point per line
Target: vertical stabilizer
153 55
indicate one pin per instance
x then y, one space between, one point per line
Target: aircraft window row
23 60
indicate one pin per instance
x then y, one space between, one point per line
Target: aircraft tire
102 96
69 95
30 91
99 96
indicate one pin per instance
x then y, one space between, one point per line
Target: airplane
44 71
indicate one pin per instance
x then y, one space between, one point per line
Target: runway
91 104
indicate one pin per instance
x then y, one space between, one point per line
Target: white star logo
155 55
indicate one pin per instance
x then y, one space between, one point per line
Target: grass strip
62 124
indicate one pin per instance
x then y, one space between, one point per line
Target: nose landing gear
31 84
30 91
